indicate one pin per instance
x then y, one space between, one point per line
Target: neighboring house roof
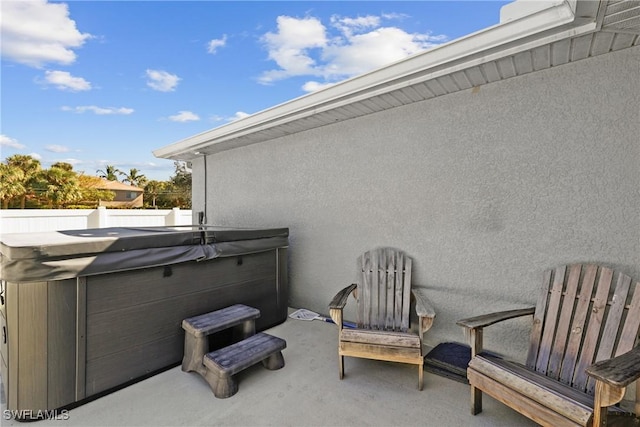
116 185
531 36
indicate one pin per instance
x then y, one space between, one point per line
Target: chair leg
476 400
341 366
420 376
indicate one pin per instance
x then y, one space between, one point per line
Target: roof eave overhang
555 20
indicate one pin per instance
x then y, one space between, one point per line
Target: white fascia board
408 71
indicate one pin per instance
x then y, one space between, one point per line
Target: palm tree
134 178
11 183
180 185
63 165
110 173
31 169
153 189
60 187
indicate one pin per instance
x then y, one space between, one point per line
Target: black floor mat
449 360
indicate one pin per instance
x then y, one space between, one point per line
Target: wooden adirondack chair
580 318
383 296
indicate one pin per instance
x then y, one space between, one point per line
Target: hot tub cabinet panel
67 340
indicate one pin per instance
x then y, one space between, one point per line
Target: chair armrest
474 325
337 304
424 310
340 299
619 371
490 319
423 306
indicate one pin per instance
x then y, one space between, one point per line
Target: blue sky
98 83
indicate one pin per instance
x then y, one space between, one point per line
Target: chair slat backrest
585 313
384 290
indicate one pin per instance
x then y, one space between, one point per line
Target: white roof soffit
524 25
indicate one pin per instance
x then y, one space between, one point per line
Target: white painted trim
497 41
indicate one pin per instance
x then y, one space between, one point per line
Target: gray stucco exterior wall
484 189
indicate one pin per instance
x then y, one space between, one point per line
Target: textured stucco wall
484 189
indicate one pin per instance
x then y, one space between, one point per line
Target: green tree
59 187
180 186
63 165
135 178
11 184
110 173
152 190
31 169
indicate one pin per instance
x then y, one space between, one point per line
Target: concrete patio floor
306 392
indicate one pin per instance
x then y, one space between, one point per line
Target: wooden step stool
223 364
198 328
219 367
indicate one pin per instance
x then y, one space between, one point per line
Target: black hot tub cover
56 255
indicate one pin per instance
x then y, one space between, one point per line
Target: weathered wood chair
383 296
579 319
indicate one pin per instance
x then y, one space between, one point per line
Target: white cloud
371 50
63 80
35 32
56 148
290 47
162 81
214 44
36 156
72 162
6 141
350 46
238 115
349 26
99 110
312 86
184 116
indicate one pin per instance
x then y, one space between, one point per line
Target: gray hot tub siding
73 338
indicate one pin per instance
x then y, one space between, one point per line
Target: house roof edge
519 20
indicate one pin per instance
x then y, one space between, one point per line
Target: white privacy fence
34 220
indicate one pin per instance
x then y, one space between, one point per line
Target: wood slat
550 321
406 294
577 326
398 284
613 323
629 332
364 292
538 321
398 339
535 411
384 290
590 341
381 352
564 323
553 394
578 320
378 291
390 291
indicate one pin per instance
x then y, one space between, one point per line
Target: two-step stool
219 367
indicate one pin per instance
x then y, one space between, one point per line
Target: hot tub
84 312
